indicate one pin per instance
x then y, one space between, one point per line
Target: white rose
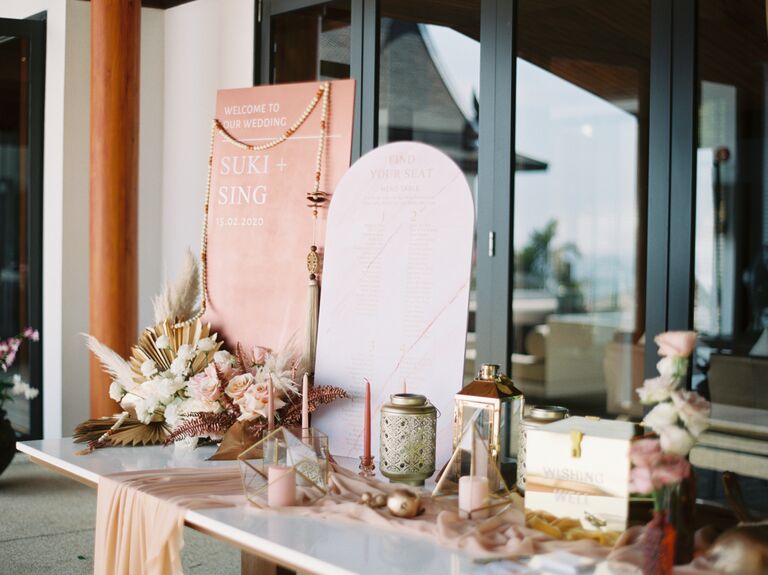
223 357
148 368
172 413
666 367
656 389
144 410
179 366
163 342
116 391
205 344
676 440
661 416
30 392
186 352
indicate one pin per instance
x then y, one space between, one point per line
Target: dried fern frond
178 302
322 395
117 368
202 424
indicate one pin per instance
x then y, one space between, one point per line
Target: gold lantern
491 406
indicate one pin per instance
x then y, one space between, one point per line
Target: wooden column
115 43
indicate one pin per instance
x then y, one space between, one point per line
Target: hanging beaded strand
316 197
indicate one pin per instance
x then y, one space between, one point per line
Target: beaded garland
315 197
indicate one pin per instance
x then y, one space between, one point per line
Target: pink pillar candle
281 490
473 495
367 422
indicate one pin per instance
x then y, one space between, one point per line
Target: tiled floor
46 526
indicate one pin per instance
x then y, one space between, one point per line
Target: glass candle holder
303 451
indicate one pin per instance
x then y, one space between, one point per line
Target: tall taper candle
367 422
305 402
271 405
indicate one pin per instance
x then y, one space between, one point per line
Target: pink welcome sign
396 292
259 226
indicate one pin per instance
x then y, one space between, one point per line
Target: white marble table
303 544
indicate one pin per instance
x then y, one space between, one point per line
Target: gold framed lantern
492 407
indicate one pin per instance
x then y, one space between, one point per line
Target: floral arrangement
154 380
234 390
15 386
677 419
179 383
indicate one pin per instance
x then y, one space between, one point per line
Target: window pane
578 304
429 86
731 248
312 43
14 206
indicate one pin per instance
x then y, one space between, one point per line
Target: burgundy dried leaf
202 424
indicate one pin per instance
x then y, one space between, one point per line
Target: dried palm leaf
178 302
131 432
147 349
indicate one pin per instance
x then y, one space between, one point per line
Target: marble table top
304 544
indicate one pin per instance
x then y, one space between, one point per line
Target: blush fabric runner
140 516
140 520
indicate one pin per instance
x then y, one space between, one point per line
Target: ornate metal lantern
494 406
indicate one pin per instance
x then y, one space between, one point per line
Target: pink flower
238 385
643 451
32 334
640 480
3 347
205 386
669 469
680 343
9 359
260 354
14 342
693 410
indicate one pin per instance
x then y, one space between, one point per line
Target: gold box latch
576 437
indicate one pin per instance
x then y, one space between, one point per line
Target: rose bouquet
232 396
659 461
678 418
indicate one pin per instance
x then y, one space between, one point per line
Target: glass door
21 109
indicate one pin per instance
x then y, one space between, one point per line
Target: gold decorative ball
404 503
380 500
365 498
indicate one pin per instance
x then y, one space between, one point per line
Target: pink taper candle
305 402
271 405
367 422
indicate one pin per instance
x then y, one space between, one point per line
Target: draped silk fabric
140 520
140 516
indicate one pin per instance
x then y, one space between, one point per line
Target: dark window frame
34 29
671 169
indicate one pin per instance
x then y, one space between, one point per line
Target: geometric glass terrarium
472 477
295 455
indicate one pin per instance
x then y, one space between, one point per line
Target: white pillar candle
473 495
281 491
